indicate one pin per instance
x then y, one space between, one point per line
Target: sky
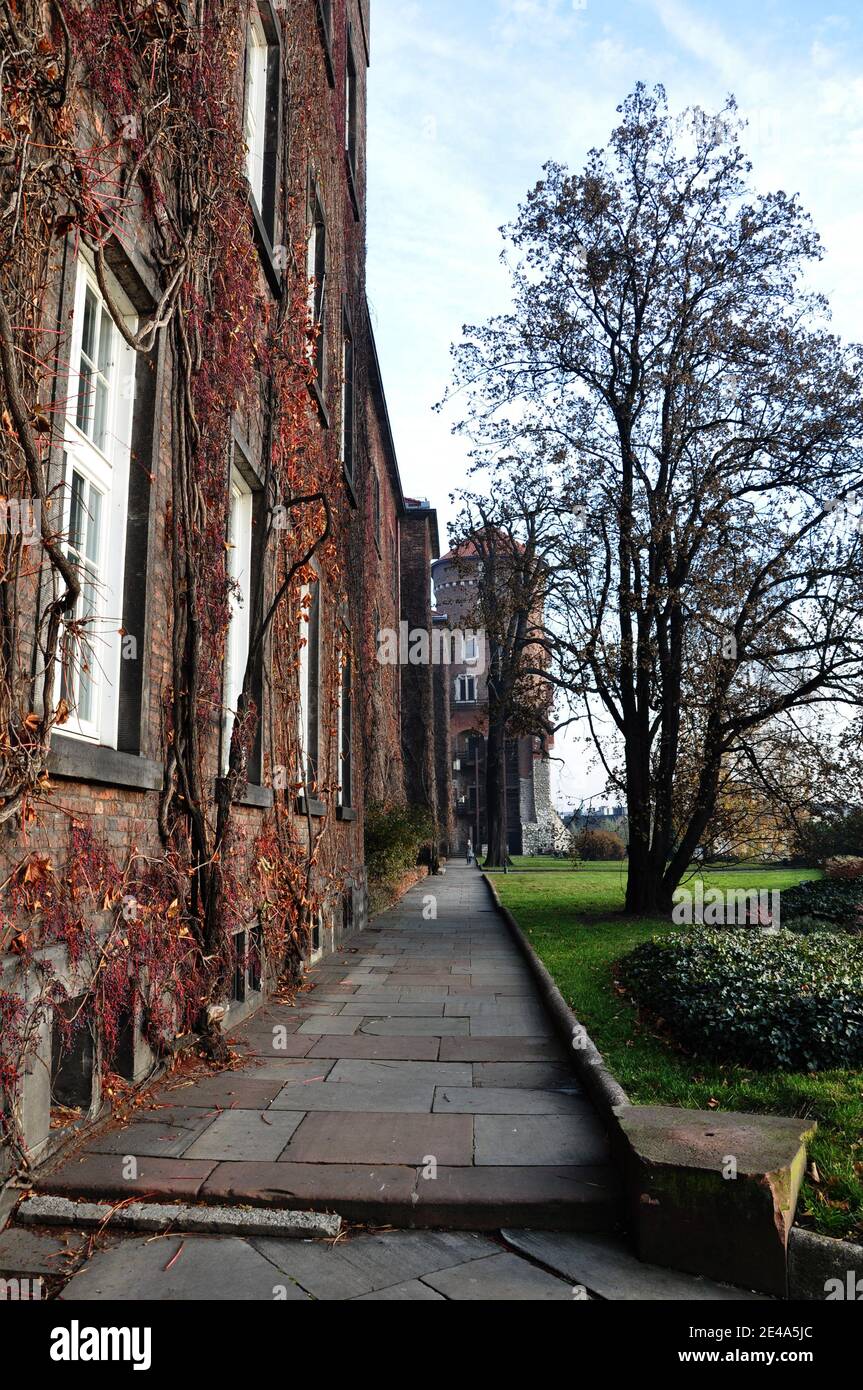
469 98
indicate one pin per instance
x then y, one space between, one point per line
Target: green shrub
834 903
599 844
766 1000
394 838
824 836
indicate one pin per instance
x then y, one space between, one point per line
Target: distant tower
533 825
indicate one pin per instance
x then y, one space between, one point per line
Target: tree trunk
495 792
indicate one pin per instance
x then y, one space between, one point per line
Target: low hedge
834 903
764 999
396 837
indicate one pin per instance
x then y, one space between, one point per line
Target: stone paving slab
294 1072
608 1268
534 1075
228 1091
295 1045
181 1268
500 1277
157 1134
359 1073
381 1138
527 1049
368 1263
415 1027
358 1192
331 1027
24 1252
256 1136
568 1198
414 1291
393 1009
395 1096
504 1100
505 1140
370 1048
105 1175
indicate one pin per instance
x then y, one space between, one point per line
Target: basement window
255 964
73 1058
238 985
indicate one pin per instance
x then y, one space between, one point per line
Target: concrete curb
821 1269
178 1217
587 1061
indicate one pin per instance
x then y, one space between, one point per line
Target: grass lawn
575 923
539 861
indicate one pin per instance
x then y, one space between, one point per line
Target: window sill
316 809
346 813
254 795
265 249
318 398
78 761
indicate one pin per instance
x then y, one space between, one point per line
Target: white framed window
465 690
97 441
257 55
347 422
351 105
345 728
471 650
317 276
309 666
240 517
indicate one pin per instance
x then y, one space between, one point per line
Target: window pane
76 513
82 409
86 677
100 415
88 335
106 344
94 526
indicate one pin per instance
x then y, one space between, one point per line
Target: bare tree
662 339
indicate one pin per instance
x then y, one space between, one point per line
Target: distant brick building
533 825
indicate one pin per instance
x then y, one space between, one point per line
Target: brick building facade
329 720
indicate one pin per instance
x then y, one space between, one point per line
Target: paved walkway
417 1083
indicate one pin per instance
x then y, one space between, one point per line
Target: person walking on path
469 851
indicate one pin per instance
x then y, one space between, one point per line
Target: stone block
714 1192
